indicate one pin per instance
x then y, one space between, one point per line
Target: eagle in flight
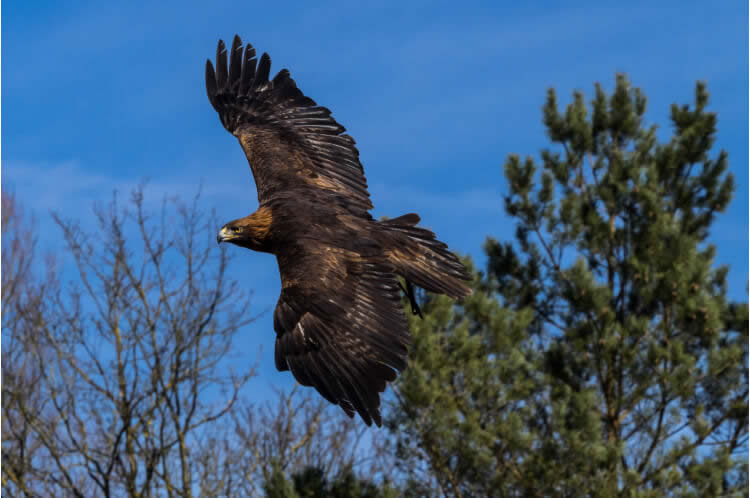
339 322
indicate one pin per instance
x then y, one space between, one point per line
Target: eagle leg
409 292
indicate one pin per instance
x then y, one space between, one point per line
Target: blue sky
98 96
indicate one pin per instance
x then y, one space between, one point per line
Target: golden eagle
339 322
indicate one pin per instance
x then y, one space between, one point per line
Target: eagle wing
294 146
340 327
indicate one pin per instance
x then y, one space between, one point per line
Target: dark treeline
598 356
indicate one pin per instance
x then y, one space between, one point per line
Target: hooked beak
223 235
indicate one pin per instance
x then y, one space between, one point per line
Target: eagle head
251 231
231 232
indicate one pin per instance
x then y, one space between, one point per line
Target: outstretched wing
340 328
293 145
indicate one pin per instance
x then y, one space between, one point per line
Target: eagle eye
236 229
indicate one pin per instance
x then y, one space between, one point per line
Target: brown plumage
339 322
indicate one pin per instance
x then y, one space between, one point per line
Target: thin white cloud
70 188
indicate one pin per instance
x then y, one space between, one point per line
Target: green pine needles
599 355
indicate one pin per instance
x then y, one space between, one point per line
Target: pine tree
612 256
616 365
462 406
312 482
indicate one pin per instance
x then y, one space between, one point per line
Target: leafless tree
23 298
111 382
296 430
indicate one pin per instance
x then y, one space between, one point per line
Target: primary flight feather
339 324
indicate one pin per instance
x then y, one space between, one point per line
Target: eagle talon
409 292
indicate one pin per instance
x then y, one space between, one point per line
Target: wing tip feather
211 87
239 89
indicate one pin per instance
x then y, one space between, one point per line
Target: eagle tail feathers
422 259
